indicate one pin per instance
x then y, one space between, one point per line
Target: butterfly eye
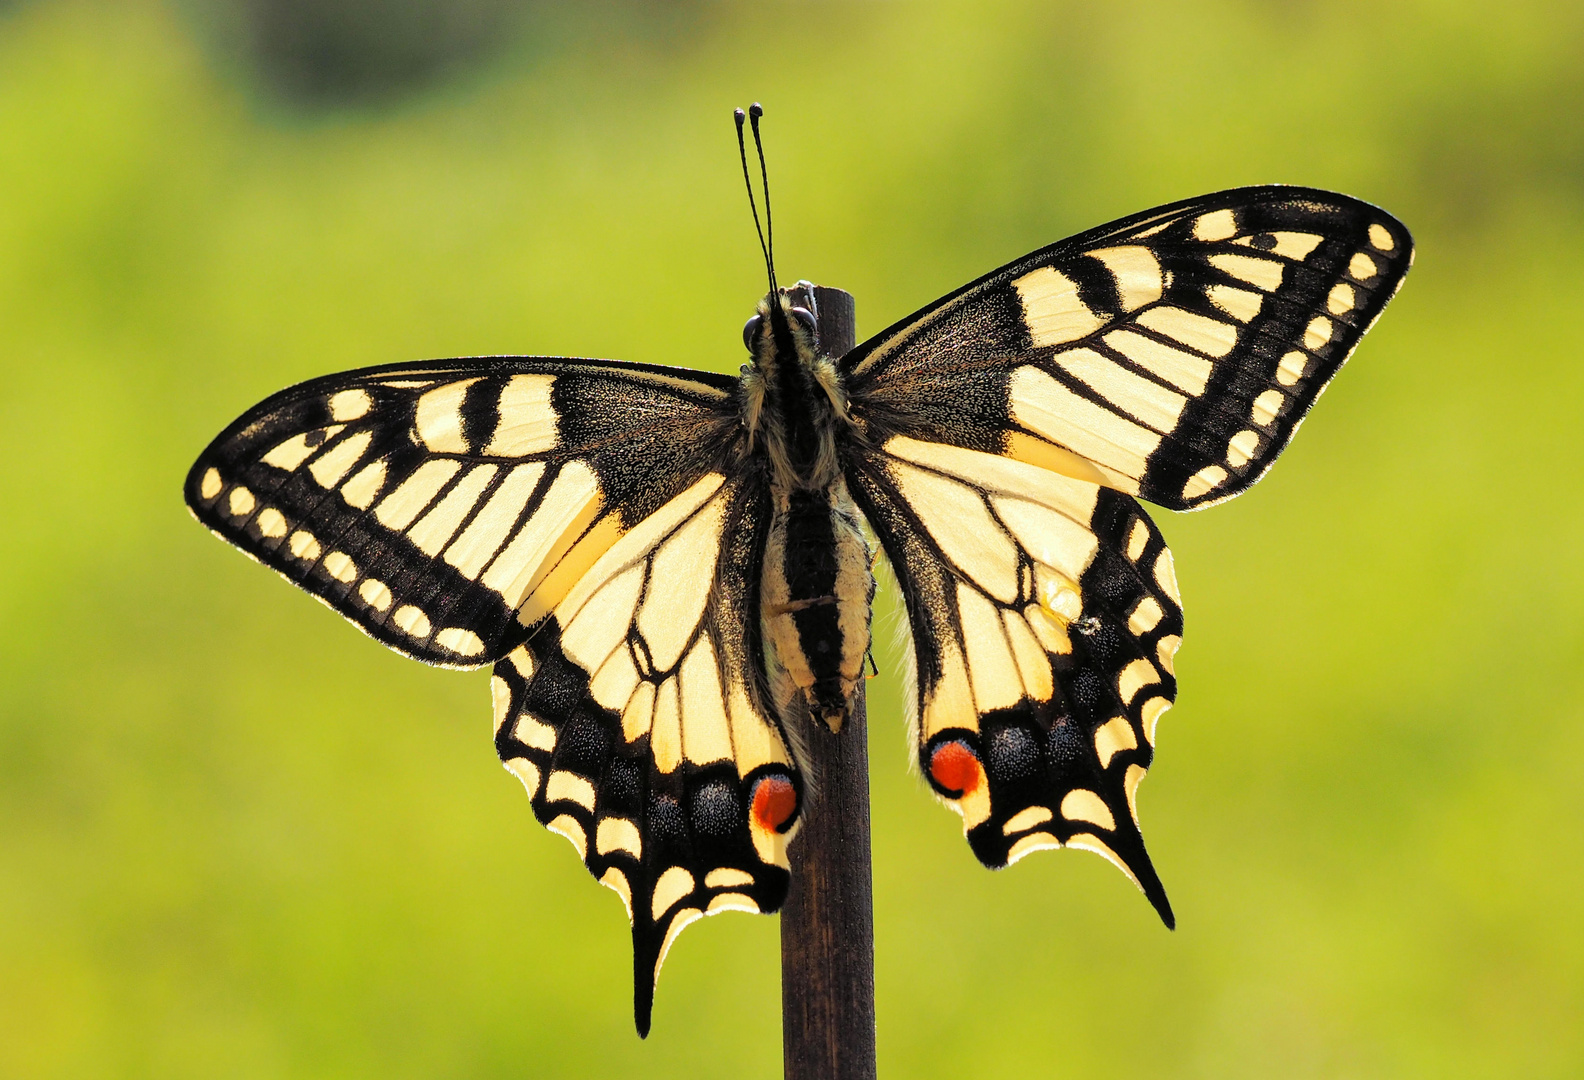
806 317
751 331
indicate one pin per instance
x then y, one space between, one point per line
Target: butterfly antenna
755 111
742 152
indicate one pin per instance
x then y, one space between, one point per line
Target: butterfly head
779 328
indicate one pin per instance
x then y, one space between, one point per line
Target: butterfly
670 571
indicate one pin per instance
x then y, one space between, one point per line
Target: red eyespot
954 767
774 803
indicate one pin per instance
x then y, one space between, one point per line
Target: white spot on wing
1146 616
271 523
672 886
375 594
1138 540
339 565
530 731
350 405
566 786
1219 225
1294 245
1113 737
412 621
1026 819
1133 678
1291 368
1241 447
619 834
617 882
1206 479
460 641
1266 406
1166 576
1083 805
1151 714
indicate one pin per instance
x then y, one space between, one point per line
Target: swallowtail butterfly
670 570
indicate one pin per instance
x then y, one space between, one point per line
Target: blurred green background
238 839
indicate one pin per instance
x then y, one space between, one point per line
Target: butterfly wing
1169 355
571 521
632 718
444 507
1003 431
1044 616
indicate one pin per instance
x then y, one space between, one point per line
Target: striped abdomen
815 601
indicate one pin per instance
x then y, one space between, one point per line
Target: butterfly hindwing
633 719
444 507
1170 355
1043 616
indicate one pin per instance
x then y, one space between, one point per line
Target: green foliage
239 840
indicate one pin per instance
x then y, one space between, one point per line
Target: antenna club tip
739 114
756 110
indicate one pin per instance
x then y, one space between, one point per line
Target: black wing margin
1170 355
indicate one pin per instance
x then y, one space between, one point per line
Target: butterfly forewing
444 507
1044 617
633 719
1170 355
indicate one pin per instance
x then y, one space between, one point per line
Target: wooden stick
827 925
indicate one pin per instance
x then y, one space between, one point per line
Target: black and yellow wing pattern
632 718
1005 430
1044 617
574 523
599 531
